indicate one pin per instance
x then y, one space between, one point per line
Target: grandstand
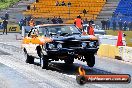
48 9
107 11
123 11
97 10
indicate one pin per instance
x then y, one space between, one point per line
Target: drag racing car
53 42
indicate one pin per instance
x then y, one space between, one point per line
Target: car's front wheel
90 59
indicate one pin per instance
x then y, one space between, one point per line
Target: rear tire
29 59
90 59
45 62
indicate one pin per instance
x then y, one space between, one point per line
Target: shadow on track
73 69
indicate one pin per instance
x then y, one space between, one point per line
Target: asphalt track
15 72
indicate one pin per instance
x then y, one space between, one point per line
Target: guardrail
109 49
115 52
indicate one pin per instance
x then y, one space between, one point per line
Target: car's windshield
68 29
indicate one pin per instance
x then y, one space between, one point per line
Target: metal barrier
115 52
111 51
127 54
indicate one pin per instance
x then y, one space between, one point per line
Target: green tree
2 0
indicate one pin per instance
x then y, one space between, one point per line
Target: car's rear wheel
90 59
69 60
45 62
29 59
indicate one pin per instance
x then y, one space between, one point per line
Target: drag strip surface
10 78
60 75
4 53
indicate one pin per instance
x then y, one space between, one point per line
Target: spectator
6 16
114 15
125 26
28 19
2 18
108 24
31 23
21 22
90 29
103 24
130 26
60 20
84 12
57 3
114 25
37 1
85 22
1 25
48 20
5 22
63 3
78 22
54 20
91 21
69 4
34 8
25 21
28 7
120 24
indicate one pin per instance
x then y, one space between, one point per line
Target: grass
128 36
7 3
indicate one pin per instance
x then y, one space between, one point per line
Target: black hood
70 38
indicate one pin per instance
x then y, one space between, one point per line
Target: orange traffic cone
119 41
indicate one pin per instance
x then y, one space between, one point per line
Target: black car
60 41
